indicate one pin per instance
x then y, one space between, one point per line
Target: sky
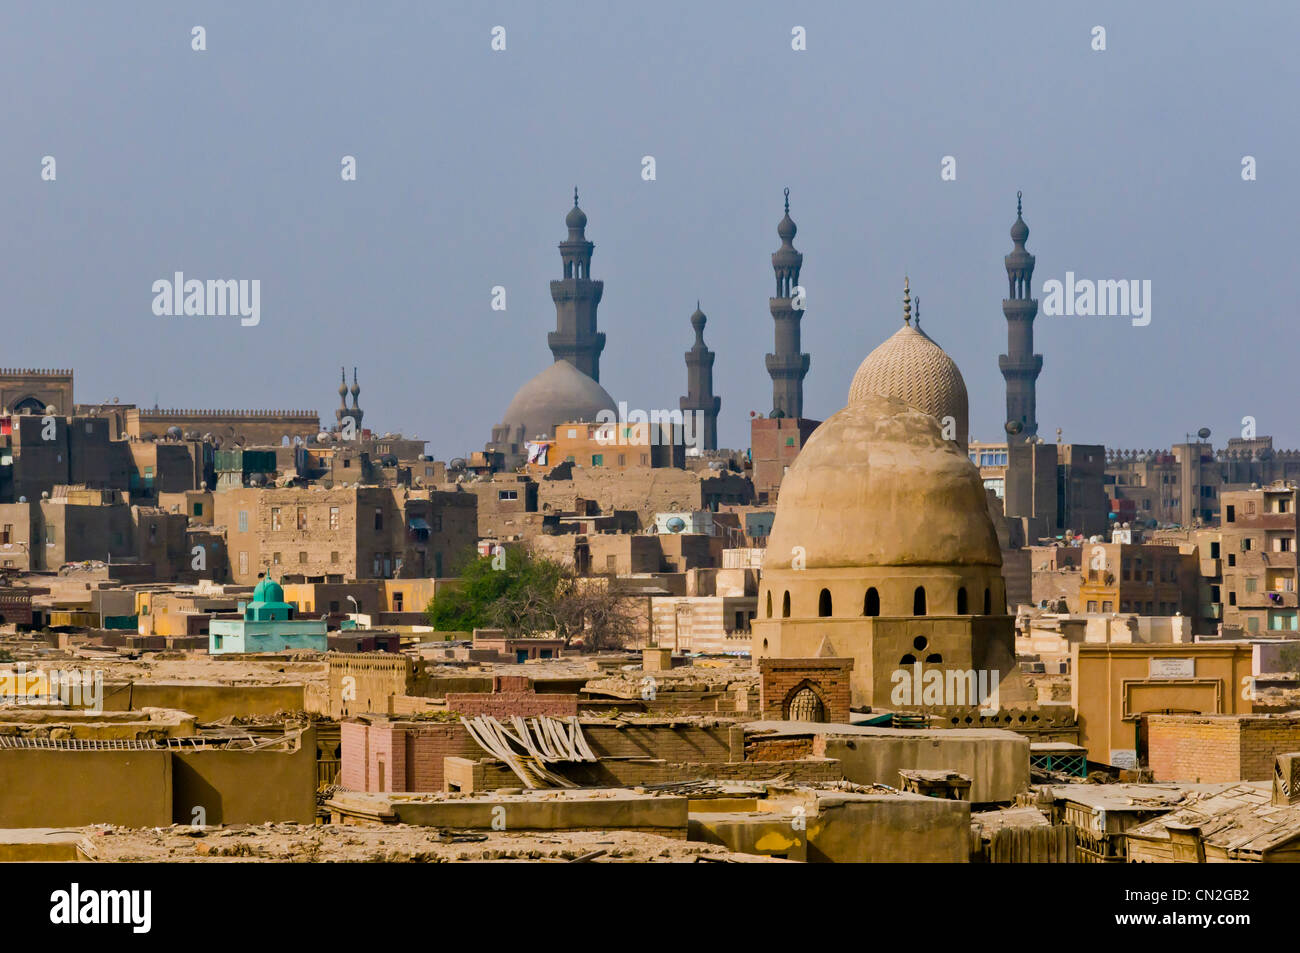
226 163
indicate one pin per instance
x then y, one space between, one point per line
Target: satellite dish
675 524
457 463
1203 433
1013 427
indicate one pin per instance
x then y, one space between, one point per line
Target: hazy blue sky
225 164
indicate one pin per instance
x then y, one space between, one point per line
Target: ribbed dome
877 485
557 395
910 367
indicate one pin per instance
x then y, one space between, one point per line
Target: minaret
343 396
786 366
356 411
575 338
1020 365
699 385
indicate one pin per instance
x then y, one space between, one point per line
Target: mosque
883 553
883 556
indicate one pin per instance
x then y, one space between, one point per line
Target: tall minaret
343 396
575 338
356 410
699 385
787 366
1020 365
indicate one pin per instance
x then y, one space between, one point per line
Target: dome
911 367
576 219
1019 231
268 590
557 395
877 485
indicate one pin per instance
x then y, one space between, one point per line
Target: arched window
785 605
805 706
769 605
988 601
918 601
961 601
871 602
824 603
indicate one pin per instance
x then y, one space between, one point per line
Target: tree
529 596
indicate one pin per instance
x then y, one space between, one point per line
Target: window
622 459
1282 544
302 517
1232 559
1092 605
918 601
1232 515
7 534
1252 624
769 605
275 518
988 601
1250 508
1251 583
334 557
1282 505
507 494
789 441
397 602
824 603
334 517
645 459
961 601
302 558
1232 598
871 602
243 563
379 518
243 521
1107 606
198 509
597 459
1247 544
334 605
275 559
785 605
347 462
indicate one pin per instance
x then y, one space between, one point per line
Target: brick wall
489 774
684 743
1212 748
504 704
827 677
412 754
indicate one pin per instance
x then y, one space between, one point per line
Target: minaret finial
907 301
575 196
787 201
918 312
1018 195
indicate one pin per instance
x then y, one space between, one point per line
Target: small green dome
268 590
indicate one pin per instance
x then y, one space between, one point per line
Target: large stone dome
877 485
559 394
911 367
